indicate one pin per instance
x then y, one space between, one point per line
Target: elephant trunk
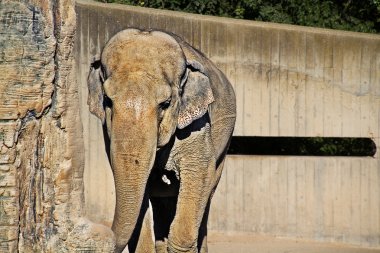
133 149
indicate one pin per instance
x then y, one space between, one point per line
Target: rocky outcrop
41 144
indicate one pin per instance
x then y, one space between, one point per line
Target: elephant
168 114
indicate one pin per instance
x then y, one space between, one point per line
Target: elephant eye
164 105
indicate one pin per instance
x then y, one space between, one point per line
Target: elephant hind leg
164 209
142 240
202 237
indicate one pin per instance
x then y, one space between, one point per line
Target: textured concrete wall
289 81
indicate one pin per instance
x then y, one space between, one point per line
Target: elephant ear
95 90
196 94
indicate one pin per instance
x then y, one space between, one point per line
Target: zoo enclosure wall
289 81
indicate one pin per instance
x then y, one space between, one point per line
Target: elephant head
143 88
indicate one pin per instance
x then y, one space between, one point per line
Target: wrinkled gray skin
169 114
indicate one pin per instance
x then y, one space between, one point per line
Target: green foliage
361 16
377 4
337 146
353 15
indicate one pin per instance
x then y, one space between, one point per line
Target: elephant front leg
195 189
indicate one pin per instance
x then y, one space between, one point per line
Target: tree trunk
41 144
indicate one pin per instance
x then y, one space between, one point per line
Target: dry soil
235 243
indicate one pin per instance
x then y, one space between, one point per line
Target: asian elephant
168 115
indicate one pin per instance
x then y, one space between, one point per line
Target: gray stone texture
41 143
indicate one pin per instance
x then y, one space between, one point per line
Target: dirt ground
220 243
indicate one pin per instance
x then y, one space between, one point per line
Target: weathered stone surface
86 235
41 145
27 54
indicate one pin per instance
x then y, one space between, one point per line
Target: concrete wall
289 81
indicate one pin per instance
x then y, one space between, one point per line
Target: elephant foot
121 249
204 248
161 247
175 248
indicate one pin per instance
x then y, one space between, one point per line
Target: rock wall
41 143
